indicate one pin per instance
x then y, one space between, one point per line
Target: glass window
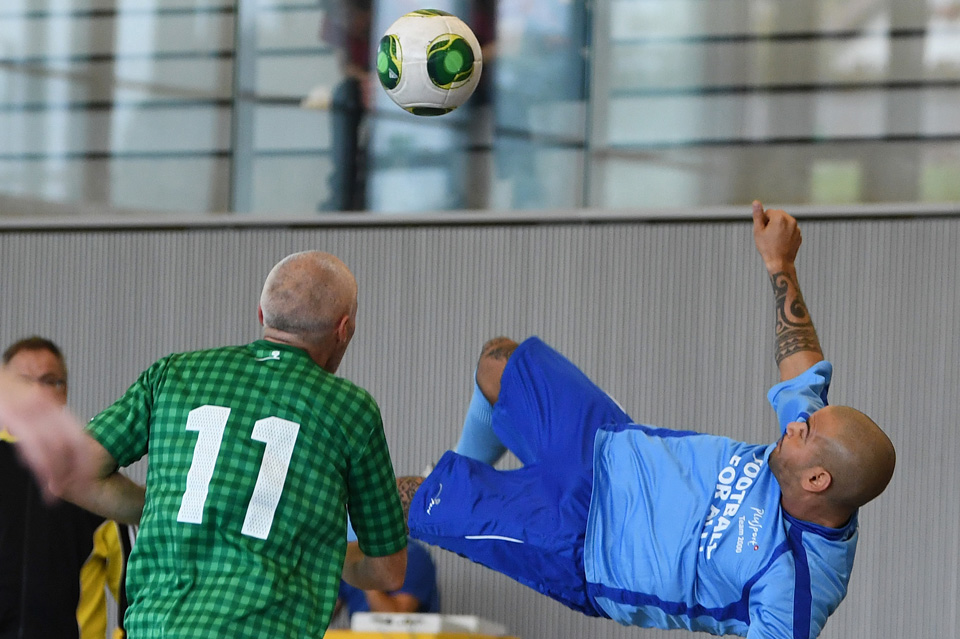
274 106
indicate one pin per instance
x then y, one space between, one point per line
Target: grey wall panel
674 319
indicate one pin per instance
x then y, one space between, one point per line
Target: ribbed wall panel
675 320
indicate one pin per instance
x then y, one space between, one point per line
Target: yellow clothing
104 568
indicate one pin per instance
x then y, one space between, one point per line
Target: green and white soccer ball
429 62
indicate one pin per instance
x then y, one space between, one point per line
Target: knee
493 359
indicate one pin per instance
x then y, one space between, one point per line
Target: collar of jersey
279 346
832 534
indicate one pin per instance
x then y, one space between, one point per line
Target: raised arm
778 239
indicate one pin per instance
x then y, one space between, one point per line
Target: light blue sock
477 439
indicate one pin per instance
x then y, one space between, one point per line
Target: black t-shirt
42 548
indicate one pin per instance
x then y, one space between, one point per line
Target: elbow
67 488
394 582
376 573
59 491
396 571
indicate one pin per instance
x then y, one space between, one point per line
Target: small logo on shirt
273 355
435 500
755 523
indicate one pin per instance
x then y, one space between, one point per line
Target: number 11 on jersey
280 437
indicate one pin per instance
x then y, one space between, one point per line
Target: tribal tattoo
794 329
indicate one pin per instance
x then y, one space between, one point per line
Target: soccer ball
429 62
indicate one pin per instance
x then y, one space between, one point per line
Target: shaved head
858 455
307 294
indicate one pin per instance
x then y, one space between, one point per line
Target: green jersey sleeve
373 500
123 428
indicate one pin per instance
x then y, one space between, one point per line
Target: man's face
793 451
801 446
44 368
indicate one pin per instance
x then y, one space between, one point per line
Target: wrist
779 266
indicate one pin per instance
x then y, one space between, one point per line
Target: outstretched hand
49 438
777 236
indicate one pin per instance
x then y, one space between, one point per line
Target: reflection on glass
539 93
187 105
116 106
790 102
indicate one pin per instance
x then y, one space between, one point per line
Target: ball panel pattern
426 13
389 65
449 61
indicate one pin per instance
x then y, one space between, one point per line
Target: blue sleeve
794 400
421 578
771 608
781 610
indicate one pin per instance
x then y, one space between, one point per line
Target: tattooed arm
778 239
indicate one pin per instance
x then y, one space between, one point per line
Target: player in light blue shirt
655 527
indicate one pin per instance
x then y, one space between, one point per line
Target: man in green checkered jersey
255 454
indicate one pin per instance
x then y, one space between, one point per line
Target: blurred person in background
55 558
346 27
418 593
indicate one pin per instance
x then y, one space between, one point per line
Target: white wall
674 319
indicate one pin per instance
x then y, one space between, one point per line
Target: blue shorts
528 524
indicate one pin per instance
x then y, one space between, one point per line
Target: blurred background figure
346 28
419 592
55 558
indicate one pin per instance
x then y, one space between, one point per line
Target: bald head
857 454
307 295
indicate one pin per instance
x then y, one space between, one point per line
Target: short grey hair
307 293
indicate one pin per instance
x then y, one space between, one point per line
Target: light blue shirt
686 531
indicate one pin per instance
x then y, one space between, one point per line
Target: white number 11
279 435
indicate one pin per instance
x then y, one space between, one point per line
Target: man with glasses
55 558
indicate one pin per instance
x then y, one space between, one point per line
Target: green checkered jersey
256 453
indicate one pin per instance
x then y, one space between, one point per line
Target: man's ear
343 331
260 314
816 479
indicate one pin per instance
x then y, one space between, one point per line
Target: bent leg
477 439
548 410
493 359
533 401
